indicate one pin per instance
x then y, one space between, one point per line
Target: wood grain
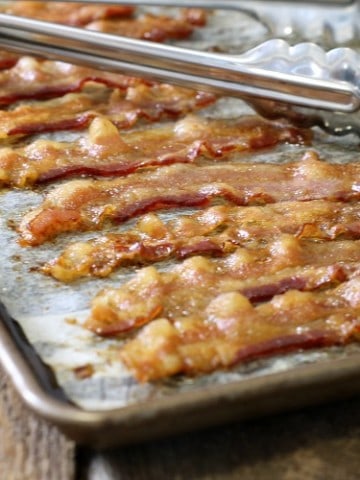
30 449
321 443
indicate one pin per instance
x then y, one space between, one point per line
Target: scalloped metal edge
306 59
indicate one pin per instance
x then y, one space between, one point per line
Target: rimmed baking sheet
109 407
45 310
335 375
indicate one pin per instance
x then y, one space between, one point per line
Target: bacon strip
112 19
67 13
35 79
258 273
215 231
123 108
157 28
71 112
86 204
106 153
231 331
7 59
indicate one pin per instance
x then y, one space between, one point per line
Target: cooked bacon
258 273
35 79
7 59
107 153
215 231
147 27
81 205
71 112
67 13
195 16
231 330
124 108
112 19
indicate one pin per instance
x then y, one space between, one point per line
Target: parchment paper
46 309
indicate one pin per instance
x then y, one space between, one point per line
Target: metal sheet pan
41 348
336 376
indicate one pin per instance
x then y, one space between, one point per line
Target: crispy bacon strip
124 108
87 204
231 330
217 230
67 13
35 79
7 59
107 153
112 19
147 27
73 111
258 273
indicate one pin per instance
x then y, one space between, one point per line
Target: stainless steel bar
225 74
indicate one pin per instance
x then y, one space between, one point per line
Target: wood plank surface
321 443
30 449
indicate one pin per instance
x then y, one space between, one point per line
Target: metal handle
226 74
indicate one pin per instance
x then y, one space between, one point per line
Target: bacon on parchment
156 28
258 273
106 152
114 19
36 79
215 231
124 108
83 205
73 14
7 59
231 330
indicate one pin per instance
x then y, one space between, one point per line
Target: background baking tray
41 347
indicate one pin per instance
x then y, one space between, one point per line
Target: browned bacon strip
231 330
87 204
7 59
71 112
124 108
148 27
216 230
36 79
257 273
106 153
67 13
112 19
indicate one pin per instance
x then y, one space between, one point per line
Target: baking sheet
46 309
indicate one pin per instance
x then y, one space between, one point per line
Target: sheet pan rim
300 386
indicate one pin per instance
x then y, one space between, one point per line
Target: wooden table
321 443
